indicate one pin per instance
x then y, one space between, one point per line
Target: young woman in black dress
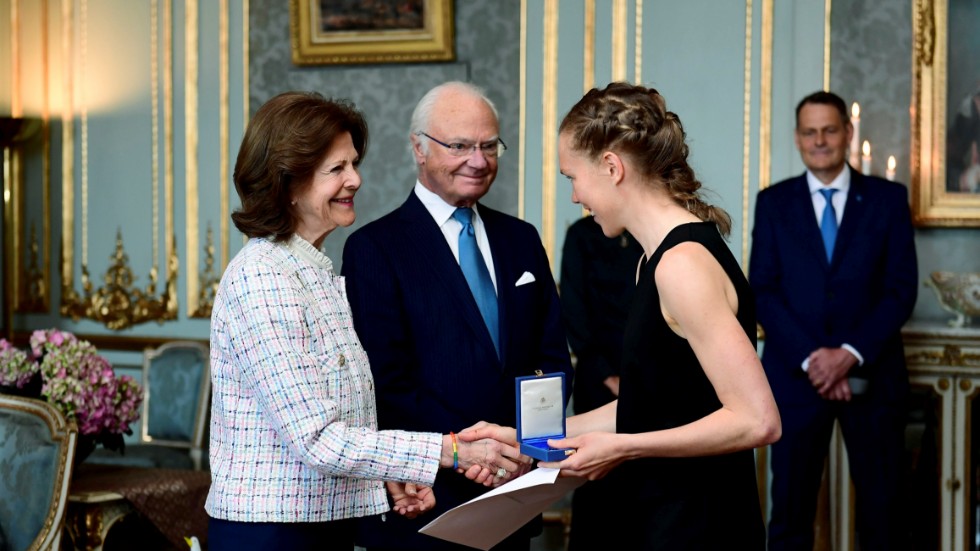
694 400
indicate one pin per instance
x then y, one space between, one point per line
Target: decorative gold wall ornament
209 280
34 295
119 304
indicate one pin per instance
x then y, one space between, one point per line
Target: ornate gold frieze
951 355
120 304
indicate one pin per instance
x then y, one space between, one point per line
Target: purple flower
76 380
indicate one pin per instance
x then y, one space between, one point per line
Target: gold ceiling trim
118 304
549 89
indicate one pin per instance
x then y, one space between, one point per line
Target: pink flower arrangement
77 381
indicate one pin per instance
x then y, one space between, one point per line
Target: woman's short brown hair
283 145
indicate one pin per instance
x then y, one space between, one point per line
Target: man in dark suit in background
833 266
452 300
598 277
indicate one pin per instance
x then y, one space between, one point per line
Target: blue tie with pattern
828 223
476 274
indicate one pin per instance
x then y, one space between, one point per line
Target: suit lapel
432 247
854 210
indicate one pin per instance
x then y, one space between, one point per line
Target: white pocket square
526 277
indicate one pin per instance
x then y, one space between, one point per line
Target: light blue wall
698 62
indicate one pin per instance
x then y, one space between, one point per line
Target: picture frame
945 95
327 32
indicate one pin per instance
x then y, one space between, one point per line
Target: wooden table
170 499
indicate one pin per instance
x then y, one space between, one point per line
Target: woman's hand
594 454
506 435
410 500
489 455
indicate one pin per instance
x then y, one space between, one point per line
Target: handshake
485 453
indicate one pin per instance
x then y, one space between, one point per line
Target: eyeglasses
490 150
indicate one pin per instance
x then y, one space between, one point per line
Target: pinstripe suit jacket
433 360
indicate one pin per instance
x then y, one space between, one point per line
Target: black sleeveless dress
691 502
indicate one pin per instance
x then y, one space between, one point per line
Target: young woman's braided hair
633 121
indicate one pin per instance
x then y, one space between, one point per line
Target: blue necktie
476 274
828 223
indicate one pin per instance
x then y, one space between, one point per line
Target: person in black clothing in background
598 275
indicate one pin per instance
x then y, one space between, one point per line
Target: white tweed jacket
293 421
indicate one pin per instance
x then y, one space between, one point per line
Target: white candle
890 171
855 137
866 158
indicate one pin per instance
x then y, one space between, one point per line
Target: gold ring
501 472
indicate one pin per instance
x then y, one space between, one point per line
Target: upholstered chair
37 449
176 396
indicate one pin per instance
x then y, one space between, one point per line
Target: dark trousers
227 535
874 435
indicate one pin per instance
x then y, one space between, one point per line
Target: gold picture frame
419 31
942 195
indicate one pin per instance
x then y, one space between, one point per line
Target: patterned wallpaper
871 63
487 53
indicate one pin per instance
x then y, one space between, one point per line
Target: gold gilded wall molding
119 304
826 45
619 40
549 122
67 148
746 132
191 164
588 55
19 278
765 97
925 33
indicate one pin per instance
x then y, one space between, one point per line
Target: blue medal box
541 415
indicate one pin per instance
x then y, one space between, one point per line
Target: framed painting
371 31
946 113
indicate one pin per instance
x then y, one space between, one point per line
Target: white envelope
486 520
526 277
